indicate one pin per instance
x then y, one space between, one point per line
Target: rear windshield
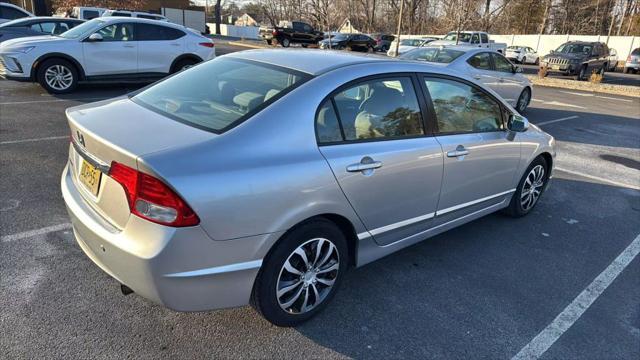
434 54
219 94
636 51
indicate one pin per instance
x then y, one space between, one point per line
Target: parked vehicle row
291 213
522 55
473 39
291 32
104 49
407 45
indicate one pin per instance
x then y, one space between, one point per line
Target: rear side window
501 63
219 94
11 13
149 32
462 108
90 14
376 109
485 38
480 61
117 13
433 54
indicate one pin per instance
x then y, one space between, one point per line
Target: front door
117 53
372 135
510 84
480 157
482 71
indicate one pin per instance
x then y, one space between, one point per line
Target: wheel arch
189 56
55 55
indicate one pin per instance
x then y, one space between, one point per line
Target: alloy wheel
307 276
532 187
58 77
523 101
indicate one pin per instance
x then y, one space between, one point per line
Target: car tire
285 42
530 188
370 49
269 42
284 267
57 76
183 65
304 45
348 48
523 100
582 73
537 61
603 69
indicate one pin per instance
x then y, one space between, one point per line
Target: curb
613 89
238 43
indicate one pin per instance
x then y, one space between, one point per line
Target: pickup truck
471 38
291 32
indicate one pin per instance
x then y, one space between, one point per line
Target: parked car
135 14
383 41
349 42
633 62
577 58
473 39
10 12
522 55
407 45
256 186
613 60
104 49
85 12
291 32
36 26
487 67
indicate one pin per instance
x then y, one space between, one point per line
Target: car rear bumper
180 268
629 65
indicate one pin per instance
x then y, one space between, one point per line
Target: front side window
83 29
502 64
462 108
91 14
480 61
378 109
220 93
117 32
475 39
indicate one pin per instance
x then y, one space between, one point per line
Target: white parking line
36 232
543 341
48 101
557 120
597 178
33 140
612 98
594 95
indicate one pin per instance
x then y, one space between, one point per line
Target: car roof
317 62
115 19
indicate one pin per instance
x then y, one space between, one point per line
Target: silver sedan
488 67
262 176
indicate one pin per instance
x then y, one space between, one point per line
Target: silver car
262 176
488 67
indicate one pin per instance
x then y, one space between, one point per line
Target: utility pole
613 20
399 25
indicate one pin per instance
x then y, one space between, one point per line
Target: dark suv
350 42
577 58
383 41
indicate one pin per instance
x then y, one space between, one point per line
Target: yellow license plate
90 177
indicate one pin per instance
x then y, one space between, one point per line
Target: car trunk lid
118 130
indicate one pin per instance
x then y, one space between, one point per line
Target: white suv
104 49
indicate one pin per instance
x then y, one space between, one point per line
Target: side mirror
517 69
95 37
518 123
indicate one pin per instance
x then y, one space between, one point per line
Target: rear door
480 156
158 47
117 53
482 70
373 136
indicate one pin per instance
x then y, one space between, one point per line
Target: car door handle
128 45
364 166
459 151
174 44
477 77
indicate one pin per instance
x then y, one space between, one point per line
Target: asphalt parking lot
489 289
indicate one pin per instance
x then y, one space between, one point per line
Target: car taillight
150 199
207 44
274 32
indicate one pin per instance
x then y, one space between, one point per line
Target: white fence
543 44
189 18
247 32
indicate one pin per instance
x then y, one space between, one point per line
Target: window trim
137 31
434 120
493 61
416 88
